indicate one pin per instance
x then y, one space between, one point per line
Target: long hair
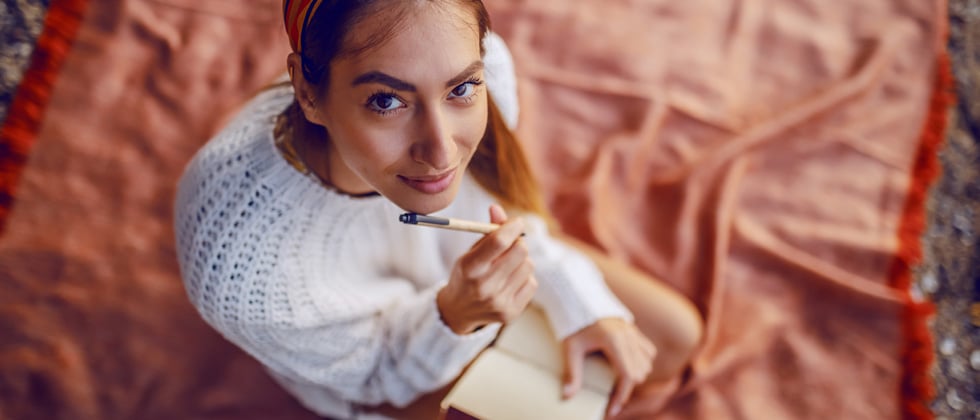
498 164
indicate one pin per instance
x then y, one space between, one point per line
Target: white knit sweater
332 293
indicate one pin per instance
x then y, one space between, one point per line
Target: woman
290 246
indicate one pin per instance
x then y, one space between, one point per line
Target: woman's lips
433 184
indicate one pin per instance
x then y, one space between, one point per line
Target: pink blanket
754 155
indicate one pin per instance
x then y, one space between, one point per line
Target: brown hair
499 164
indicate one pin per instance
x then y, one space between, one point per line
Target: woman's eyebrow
466 73
384 79
398 84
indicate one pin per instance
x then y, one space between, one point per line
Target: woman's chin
422 203
425 206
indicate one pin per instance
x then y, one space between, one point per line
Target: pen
448 223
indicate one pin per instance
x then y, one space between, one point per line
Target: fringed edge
917 390
26 111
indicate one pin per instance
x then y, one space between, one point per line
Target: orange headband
296 15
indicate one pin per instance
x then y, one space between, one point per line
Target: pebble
962 223
916 292
975 360
929 283
954 400
961 220
947 346
958 369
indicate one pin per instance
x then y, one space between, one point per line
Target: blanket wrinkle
846 68
692 194
256 11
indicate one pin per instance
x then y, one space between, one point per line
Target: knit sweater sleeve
571 289
391 355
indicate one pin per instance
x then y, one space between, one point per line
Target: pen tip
407 218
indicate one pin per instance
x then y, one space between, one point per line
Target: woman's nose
434 145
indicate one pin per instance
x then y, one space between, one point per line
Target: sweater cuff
440 350
571 289
574 295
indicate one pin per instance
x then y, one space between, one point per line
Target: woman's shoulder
243 152
250 127
238 174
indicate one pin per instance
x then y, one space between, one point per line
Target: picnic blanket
766 159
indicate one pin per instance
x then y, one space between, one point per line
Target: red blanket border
917 390
26 111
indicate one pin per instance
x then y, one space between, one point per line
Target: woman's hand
492 282
629 352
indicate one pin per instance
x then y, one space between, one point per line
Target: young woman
288 233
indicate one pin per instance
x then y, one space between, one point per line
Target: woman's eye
384 103
464 90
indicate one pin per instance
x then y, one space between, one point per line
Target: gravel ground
20 24
951 266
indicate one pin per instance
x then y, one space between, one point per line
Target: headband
297 15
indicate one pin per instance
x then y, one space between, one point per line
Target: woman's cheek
390 147
476 127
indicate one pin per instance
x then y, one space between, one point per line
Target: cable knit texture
330 292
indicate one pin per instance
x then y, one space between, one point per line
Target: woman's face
405 116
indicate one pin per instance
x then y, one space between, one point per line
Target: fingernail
567 390
500 209
615 409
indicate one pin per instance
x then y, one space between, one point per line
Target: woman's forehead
431 22
426 41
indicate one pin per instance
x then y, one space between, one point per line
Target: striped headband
297 15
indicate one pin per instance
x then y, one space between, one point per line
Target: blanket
766 159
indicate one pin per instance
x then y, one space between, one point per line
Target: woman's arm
666 317
368 357
570 285
653 349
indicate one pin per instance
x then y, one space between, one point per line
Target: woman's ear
304 91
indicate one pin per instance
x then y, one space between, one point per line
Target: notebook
519 377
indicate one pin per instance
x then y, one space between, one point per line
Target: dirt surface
20 24
951 265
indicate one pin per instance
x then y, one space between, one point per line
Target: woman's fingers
628 351
574 360
517 271
647 345
497 214
526 292
641 362
632 360
649 352
621 394
485 252
642 355
498 280
513 284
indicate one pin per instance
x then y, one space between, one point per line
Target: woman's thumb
497 214
572 381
